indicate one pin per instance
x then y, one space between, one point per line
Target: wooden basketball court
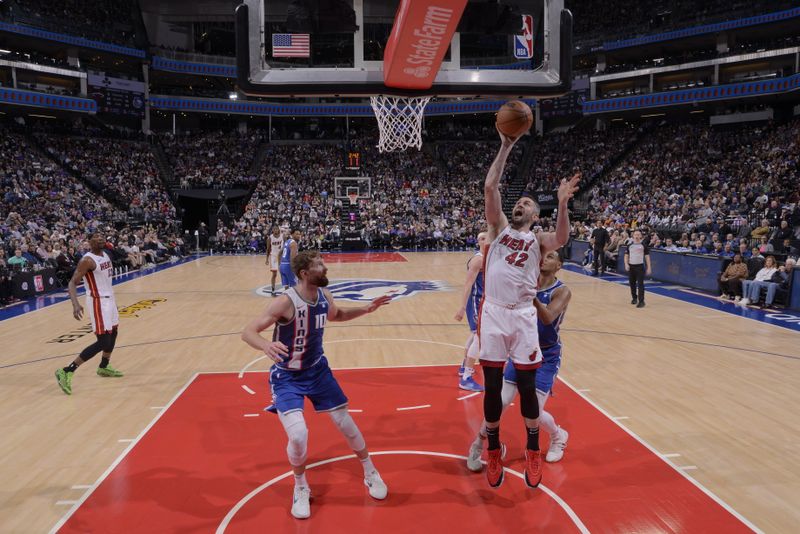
711 394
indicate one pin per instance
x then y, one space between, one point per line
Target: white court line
688 467
81 487
124 440
251 415
156 407
247 389
701 487
620 418
119 458
671 455
239 505
355 411
413 407
65 503
470 395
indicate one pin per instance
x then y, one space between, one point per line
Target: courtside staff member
637 263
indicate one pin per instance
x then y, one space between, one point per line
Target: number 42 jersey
513 261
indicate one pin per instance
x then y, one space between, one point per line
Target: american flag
291 45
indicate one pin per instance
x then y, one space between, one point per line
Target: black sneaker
641 304
634 301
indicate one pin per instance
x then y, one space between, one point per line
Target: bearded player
508 322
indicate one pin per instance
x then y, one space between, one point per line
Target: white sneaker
557 446
301 502
474 457
376 486
744 302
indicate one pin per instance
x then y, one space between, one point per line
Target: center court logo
367 290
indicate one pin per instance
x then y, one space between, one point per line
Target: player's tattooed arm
495 218
84 266
558 305
280 309
555 240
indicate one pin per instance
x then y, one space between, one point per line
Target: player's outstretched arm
495 218
555 240
84 266
473 269
279 309
558 305
335 313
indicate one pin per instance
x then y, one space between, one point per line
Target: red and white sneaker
533 468
494 467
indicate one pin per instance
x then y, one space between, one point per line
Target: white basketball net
399 121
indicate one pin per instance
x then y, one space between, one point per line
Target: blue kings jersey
303 334
548 333
477 288
286 254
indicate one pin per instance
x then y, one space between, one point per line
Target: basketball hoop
353 198
399 121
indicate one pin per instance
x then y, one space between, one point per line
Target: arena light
698 111
233 96
649 115
41 116
4 51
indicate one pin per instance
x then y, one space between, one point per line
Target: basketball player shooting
508 323
301 370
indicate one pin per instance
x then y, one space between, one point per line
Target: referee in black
637 255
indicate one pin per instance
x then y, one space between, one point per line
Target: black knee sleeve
107 341
492 397
528 401
91 351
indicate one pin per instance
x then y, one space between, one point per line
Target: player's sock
493 435
368 466
546 420
300 480
468 372
533 438
71 368
104 362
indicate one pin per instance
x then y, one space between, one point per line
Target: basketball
514 118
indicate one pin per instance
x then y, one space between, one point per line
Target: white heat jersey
511 273
98 281
276 244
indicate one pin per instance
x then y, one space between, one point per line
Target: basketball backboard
346 41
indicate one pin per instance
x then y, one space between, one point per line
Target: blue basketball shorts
290 388
287 276
473 307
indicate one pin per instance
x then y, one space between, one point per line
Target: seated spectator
784 279
787 248
727 250
765 247
670 246
751 289
730 283
18 260
762 230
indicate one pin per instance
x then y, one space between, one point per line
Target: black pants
732 286
636 280
599 260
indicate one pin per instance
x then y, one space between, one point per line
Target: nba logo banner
523 44
38 283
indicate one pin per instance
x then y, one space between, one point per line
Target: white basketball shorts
509 333
274 261
102 313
